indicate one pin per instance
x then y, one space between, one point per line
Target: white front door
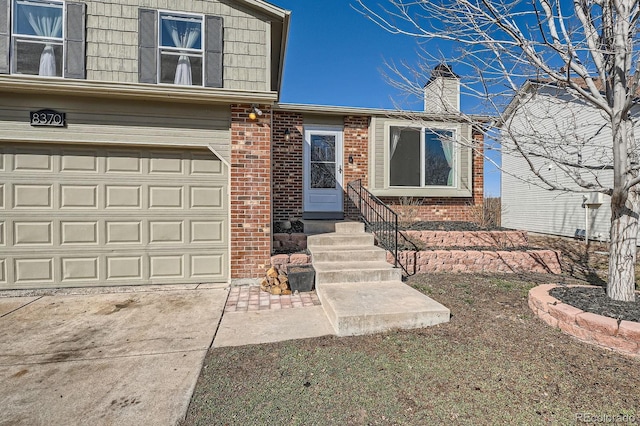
323 190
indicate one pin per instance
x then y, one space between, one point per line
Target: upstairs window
43 38
38 42
422 157
180 49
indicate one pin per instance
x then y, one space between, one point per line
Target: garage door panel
166 232
207 266
205 165
78 196
166 267
3 271
208 231
77 216
32 196
37 161
78 232
119 162
206 197
123 197
161 163
26 233
75 269
118 232
124 267
79 161
166 197
33 270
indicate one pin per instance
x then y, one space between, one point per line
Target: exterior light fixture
287 135
255 112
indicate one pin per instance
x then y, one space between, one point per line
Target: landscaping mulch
595 300
446 225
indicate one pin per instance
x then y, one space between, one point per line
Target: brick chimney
442 91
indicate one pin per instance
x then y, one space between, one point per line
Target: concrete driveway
126 357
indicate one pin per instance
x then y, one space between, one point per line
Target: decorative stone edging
281 261
493 239
543 261
620 336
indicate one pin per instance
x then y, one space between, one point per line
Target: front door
322 172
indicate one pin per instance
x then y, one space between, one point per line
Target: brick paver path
251 298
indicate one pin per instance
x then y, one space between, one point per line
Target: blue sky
336 56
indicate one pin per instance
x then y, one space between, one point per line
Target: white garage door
76 216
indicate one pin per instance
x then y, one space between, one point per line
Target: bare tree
584 47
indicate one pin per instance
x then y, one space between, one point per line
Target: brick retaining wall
543 261
497 239
603 331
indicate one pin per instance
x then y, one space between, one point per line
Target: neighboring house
545 112
143 143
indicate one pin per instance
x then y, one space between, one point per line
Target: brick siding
250 192
288 168
287 165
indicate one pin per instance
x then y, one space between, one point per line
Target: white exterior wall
442 95
573 127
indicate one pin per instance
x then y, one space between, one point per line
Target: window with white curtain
422 157
38 42
180 48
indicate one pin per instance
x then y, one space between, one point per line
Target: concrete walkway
121 358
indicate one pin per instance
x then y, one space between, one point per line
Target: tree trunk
622 252
624 219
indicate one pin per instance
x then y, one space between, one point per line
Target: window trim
15 37
456 129
160 49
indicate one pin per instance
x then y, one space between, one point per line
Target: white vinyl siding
528 206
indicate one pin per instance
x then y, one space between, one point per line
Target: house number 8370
47 118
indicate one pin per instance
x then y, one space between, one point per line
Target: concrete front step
373 307
348 253
349 227
355 271
335 239
312 227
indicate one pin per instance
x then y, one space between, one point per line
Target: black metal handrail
379 219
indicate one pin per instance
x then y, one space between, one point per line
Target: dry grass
494 363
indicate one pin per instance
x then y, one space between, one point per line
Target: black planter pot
301 277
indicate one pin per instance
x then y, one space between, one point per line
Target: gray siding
379 161
112 40
116 122
552 116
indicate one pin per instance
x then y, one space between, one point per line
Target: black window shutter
147 46
213 51
75 62
5 37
